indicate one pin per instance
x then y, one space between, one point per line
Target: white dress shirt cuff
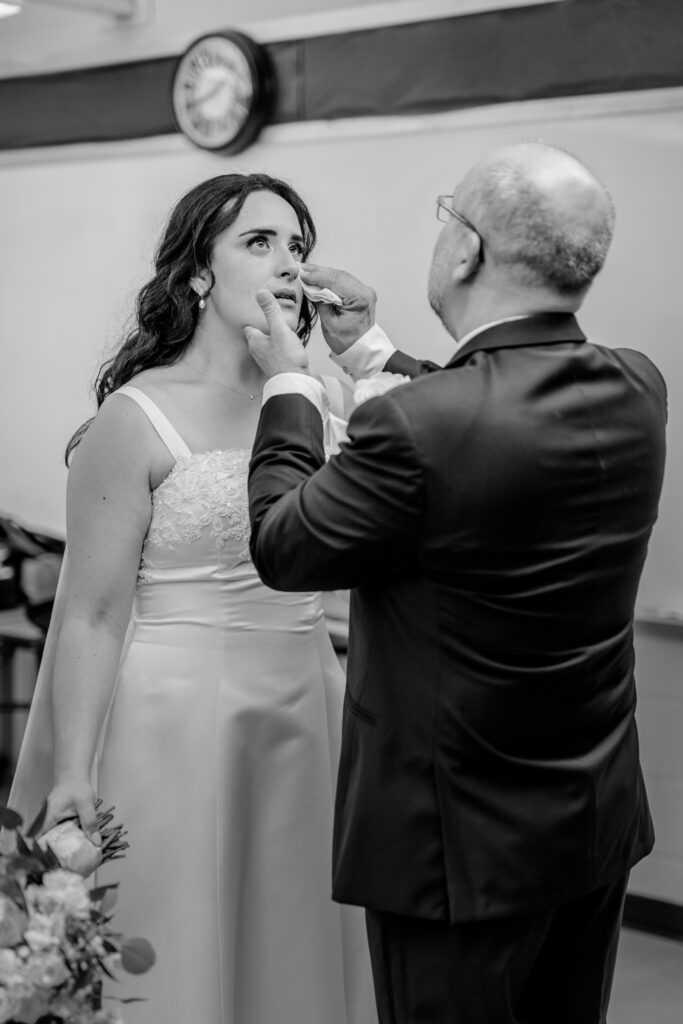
367 356
296 384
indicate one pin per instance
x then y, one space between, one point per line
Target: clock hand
207 95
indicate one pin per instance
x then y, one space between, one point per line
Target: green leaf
11 888
137 956
100 891
106 970
10 819
109 901
50 858
23 847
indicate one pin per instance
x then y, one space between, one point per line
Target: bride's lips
287 296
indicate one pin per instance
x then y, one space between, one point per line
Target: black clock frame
263 79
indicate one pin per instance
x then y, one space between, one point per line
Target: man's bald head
542 214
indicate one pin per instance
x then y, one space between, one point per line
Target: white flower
108 1017
113 962
10 965
8 1005
12 922
379 384
44 931
61 890
33 1007
72 848
47 970
73 1008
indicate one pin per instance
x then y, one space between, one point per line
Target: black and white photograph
341 581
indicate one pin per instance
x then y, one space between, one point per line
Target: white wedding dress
219 754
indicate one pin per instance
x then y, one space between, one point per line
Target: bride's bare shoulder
122 431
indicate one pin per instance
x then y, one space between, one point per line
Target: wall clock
222 88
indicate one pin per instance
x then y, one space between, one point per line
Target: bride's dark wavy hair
167 309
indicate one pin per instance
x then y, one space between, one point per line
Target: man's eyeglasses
444 210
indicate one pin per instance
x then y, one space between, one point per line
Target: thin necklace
245 394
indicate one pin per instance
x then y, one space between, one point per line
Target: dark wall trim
577 48
655 916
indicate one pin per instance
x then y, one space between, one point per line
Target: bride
176 685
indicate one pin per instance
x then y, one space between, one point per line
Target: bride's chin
291 317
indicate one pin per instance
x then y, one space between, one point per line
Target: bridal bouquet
56 943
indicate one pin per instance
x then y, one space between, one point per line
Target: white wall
659 661
78 229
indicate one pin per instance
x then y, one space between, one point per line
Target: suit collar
540 329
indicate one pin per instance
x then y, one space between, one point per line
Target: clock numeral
199 62
205 127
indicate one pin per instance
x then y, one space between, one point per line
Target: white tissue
321 294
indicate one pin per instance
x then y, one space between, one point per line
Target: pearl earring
202 303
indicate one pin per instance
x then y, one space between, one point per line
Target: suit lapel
543 329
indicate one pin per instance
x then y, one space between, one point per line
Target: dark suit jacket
493 518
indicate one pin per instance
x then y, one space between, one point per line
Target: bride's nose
288 266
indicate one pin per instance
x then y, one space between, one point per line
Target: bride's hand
73 798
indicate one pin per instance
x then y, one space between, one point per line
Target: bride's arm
108 513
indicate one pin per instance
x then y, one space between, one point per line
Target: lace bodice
203 497
202 492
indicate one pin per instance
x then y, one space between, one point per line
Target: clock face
219 92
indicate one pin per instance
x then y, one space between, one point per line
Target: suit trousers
554 966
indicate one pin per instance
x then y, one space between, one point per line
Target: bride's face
260 249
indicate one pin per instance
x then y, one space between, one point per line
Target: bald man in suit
492 518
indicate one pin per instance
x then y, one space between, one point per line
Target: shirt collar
485 327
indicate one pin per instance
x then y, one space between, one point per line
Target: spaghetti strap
164 428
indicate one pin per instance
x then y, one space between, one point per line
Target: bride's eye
298 249
258 242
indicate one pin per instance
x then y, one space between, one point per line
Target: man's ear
468 258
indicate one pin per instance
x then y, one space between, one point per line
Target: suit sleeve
399 362
374 353
352 521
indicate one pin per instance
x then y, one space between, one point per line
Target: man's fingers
253 335
355 295
322 277
271 309
277 349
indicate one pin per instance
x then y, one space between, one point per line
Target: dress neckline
196 455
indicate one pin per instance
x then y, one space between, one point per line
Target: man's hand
281 350
345 324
